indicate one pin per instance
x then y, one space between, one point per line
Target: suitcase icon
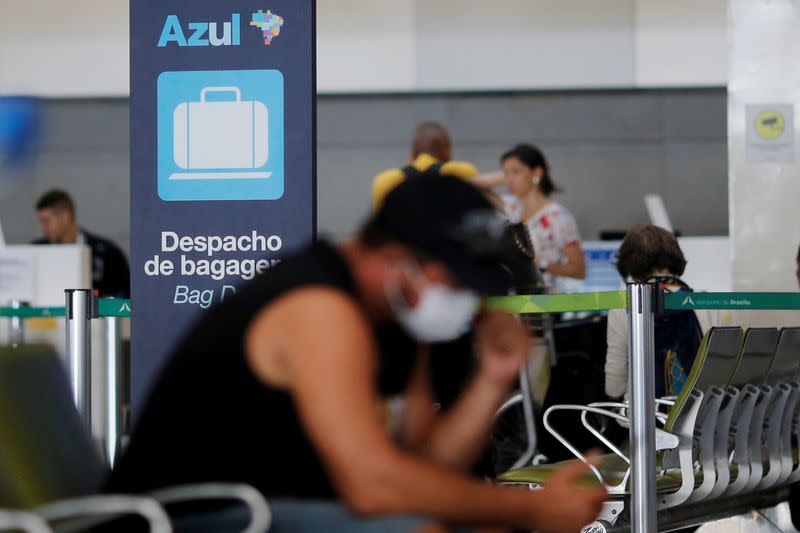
214 135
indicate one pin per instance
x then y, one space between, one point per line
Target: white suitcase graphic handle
207 90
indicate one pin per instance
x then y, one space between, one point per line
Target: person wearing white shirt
652 254
552 227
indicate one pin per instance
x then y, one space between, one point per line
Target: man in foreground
281 386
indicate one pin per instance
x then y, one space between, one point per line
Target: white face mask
442 314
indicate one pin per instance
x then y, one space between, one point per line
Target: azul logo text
201 33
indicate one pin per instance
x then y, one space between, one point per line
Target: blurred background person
797 271
652 254
552 227
55 210
431 150
430 157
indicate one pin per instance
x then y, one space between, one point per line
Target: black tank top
209 418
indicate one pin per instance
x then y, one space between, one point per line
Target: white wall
523 44
764 220
681 43
63 49
55 48
364 48
520 44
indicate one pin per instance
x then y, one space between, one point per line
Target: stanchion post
16 335
114 392
641 384
79 349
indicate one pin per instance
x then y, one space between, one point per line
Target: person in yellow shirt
431 149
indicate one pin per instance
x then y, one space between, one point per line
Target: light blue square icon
220 135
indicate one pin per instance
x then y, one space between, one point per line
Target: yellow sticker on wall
769 133
770 125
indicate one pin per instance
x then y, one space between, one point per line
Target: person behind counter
56 212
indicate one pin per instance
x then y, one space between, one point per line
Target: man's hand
502 344
570 504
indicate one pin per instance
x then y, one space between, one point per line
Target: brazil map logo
269 23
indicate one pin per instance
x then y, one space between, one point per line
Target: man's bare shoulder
314 308
304 325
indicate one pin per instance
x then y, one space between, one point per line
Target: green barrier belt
766 301
559 303
526 304
108 307
113 307
31 312
601 301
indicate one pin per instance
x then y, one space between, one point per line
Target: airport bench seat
736 423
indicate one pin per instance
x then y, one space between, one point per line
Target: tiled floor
773 520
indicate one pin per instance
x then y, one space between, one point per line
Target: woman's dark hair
533 158
647 249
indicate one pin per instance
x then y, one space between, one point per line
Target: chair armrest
669 403
625 406
105 506
599 436
22 521
664 440
511 401
260 516
564 442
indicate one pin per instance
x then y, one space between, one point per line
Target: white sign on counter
17 276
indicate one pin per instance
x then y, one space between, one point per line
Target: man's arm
489 180
327 353
457 437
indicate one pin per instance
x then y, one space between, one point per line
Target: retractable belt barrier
559 303
524 304
754 301
604 301
81 307
110 307
31 312
641 301
107 307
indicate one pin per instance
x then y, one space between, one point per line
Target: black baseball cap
452 221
